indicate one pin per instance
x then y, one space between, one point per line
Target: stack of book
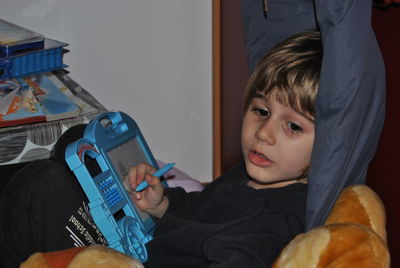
29 89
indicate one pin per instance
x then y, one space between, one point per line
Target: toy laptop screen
125 156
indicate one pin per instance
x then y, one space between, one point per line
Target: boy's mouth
259 159
261 155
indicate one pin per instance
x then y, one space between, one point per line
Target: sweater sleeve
179 199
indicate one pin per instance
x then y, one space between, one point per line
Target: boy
243 219
247 216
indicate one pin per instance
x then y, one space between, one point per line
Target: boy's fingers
127 185
136 175
141 173
153 181
132 175
137 196
143 169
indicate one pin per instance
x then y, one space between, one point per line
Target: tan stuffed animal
353 236
92 256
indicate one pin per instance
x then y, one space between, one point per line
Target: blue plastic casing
114 140
49 58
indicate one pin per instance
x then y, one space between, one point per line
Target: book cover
14 38
53 96
18 105
85 102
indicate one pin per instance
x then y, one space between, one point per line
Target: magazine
18 104
53 96
37 98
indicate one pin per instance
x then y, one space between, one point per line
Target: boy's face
276 142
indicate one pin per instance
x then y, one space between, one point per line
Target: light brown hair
291 70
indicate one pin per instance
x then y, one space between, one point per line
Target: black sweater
44 209
228 224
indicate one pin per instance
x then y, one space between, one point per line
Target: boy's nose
266 132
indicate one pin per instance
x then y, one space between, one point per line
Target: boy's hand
152 199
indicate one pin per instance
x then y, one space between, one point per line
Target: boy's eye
261 112
294 127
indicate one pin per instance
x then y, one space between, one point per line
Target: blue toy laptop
114 140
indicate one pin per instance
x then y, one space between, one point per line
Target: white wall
148 58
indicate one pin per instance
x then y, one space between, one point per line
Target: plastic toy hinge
99 211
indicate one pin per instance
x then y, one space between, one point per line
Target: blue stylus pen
143 185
